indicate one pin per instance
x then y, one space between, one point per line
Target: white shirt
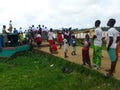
65 44
98 40
50 35
20 30
38 35
112 32
34 29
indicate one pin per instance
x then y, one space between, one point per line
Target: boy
73 45
113 38
65 46
97 50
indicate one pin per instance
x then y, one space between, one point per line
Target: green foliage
34 70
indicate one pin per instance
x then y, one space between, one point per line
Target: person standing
65 46
85 51
97 50
10 26
50 36
5 38
73 45
113 38
60 39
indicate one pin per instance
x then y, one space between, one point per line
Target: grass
32 71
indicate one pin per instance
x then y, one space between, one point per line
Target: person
53 48
20 30
85 51
97 49
15 31
5 38
73 45
65 46
21 39
10 26
38 40
113 38
50 36
60 39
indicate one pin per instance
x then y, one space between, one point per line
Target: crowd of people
66 37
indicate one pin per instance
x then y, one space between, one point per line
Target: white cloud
58 13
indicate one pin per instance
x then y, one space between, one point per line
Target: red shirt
38 39
54 47
60 38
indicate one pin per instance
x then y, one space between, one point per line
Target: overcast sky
58 13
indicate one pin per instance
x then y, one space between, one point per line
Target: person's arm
118 39
110 43
94 37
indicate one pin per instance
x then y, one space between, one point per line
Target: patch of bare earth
78 59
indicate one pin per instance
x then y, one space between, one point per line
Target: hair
73 36
87 36
4 26
53 42
51 29
97 23
112 22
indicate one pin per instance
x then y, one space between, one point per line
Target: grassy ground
35 70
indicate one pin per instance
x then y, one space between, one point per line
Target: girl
85 51
60 39
38 40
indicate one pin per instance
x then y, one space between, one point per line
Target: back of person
60 38
38 39
54 47
73 42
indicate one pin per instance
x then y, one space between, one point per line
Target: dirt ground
78 59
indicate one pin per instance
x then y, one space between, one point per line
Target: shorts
112 54
50 42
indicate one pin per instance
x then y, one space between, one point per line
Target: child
50 36
85 51
65 46
53 48
60 39
73 45
38 40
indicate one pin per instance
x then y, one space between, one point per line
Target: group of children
112 40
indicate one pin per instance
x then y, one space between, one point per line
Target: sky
58 13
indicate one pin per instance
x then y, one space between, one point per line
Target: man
113 38
97 50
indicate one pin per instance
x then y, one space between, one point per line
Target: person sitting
53 48
38 40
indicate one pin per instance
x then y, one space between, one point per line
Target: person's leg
98 58
112 55
84 55
88 59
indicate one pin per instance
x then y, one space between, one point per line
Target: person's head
4 26
111 22
53 42
32 25
97 23
51 29
73 36
87 36
65 36
39 25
